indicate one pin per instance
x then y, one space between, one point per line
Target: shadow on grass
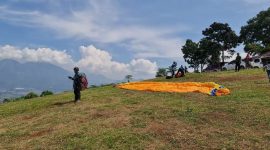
62 103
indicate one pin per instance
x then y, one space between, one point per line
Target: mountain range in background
32 76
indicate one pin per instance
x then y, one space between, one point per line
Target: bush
93 86
161 72
6 100
45 93
30 95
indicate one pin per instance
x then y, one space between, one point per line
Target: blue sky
111 37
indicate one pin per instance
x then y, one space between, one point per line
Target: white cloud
143 68
92 60
58 58
101 21
100 62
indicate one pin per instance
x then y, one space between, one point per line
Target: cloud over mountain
93 60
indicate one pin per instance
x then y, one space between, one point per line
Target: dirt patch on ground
40 133
63 103
120 121
175 133
217 117
117 122
179 135
27 117
96 114
2 130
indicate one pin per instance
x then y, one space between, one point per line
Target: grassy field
111 118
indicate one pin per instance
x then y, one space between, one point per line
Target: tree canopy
129 77
213 51
194 55
256 34
223 35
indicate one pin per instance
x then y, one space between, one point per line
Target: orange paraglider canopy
209 88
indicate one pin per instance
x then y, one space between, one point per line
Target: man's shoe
77 101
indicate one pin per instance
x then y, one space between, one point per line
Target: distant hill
38 76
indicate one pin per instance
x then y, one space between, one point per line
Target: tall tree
194 56
129 78
222 34
256 34
213 51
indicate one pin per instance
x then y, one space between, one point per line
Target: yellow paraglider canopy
209 88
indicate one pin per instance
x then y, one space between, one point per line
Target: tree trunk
223 57
222 64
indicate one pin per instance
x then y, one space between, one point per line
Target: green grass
111 118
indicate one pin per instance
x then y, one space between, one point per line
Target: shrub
45 93
6 100
161 72
30 95
93 86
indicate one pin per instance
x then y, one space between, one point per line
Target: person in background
247 61
238 62
181 70
267 69
186 69
76 84
173 68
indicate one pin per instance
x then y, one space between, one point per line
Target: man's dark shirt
238 60
77 81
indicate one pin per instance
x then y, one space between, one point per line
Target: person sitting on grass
181 70
76 84
267 68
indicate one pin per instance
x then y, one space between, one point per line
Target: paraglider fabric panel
209 88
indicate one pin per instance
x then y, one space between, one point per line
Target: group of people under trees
180 72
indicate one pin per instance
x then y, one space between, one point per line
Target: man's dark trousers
237 67
77 93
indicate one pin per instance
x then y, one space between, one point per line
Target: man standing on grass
173 68
237 62
267 68
76 84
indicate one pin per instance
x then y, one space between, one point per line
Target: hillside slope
111 118
39 76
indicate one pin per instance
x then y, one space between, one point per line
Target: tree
223 35
256 34
30 95
213 51
45 93
161 72
128 78
194 55
6 100
189 51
